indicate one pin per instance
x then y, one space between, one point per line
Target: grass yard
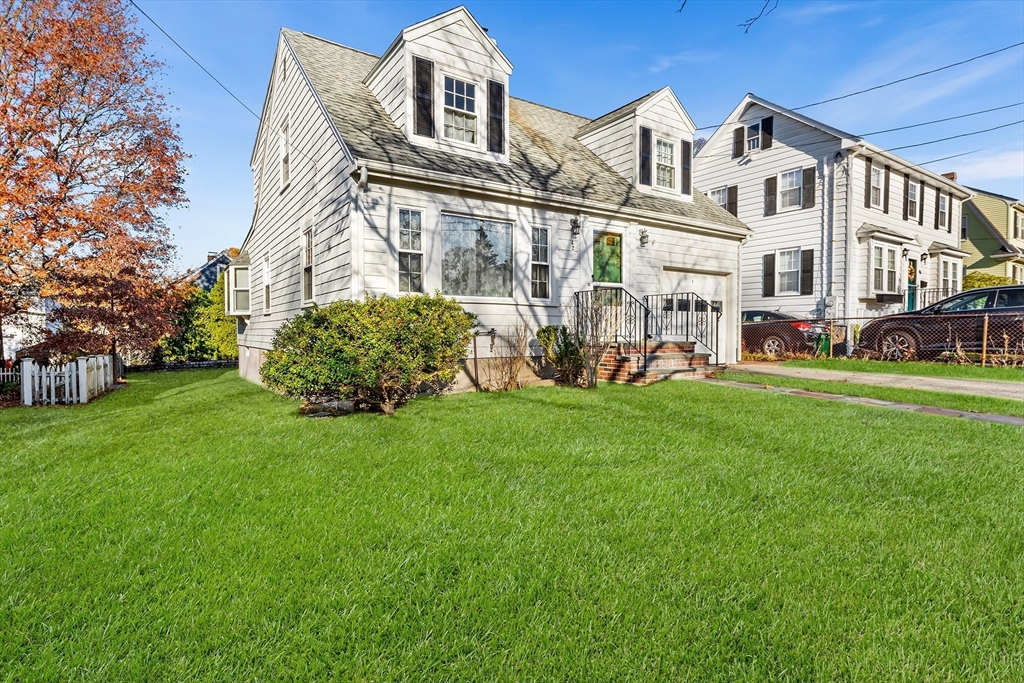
940 399
920 368
192 527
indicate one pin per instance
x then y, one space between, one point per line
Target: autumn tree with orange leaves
88 160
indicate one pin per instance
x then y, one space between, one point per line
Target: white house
841 227
418 172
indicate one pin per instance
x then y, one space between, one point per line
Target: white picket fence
12 376
79 381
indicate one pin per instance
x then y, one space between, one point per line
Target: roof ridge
546 106
330 42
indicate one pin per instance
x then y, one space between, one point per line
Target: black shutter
920 205
731 199
645 156
938 193
771 189
906 195
495 117
767 131
424 96
806 271
949 213
687 154
809 190
768 275
867 184
885 192
737 142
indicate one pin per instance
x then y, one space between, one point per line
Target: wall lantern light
644 237
906 253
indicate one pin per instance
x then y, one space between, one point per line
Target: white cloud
1005 165
687 57
813 10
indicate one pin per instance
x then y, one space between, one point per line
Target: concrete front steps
665 360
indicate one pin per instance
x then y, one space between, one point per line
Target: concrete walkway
977 387
877 403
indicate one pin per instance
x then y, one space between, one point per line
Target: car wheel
897 345
773 346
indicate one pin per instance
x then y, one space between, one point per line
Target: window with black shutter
768 275
731 197
906 196
885 200
686 154
809 192
424 96
737 141
767 132
771 188
645 156
495 117
938 200
920 217
867 184
806 271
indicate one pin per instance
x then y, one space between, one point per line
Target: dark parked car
773 333
951 325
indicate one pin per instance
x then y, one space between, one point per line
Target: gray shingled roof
544 153
612 115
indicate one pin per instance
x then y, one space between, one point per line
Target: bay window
883 269
236 284
476 257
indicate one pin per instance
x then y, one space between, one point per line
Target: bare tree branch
750 22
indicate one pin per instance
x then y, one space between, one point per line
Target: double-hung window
266 284
877 183
666 159
950 277
1018 226
459 110
476 257
410 251
753 137
720 196
237 284
912 200
963 226
943 211
789 188
540 287
883 269
788 272
307 265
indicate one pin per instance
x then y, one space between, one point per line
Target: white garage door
711 288
679 319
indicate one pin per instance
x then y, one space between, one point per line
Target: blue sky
591 57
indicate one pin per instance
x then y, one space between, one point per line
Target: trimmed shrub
978 279
377 353
565 351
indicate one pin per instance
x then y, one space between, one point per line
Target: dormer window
459 110
753 137
666 176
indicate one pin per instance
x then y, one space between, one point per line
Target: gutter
432 179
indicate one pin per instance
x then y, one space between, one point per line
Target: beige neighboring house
992 231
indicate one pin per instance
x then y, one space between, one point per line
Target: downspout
851 240
826 222
356 256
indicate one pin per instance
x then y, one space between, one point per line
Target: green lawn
920 368
941 399
192 527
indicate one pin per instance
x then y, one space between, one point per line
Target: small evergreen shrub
376 353
565 351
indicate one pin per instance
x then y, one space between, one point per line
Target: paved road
978 387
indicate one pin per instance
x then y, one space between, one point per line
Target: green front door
912 285
607 257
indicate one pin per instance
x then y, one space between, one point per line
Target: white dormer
649 142
444 82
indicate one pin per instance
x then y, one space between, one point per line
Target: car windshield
964 302
1010 298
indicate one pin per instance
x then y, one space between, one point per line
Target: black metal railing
917 298
686 315
612 315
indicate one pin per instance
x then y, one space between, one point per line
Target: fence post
984 340
83 382
26 381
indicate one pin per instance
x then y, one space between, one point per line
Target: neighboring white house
842 228
417 172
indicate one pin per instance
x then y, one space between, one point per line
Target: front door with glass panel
912 285
607 257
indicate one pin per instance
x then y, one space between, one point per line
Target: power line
954 137
953 156
189 55
907 78
899 80
951 118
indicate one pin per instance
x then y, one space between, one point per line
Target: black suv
773 333
951 325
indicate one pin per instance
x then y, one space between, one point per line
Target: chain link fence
991 337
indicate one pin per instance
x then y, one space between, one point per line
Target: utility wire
189 55
951 118
899 80
953 156
954 137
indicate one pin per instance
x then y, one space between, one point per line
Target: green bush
978 279
378 352
565 351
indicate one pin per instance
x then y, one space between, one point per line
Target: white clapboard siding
615 144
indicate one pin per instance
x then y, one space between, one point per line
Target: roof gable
666 96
